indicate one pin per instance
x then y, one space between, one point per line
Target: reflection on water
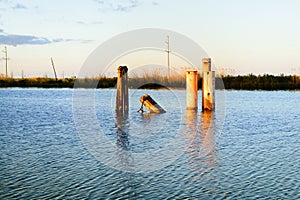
122 130
201 150
122 141
199 131
200 134
44 157
208 130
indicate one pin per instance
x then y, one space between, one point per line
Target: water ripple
257 156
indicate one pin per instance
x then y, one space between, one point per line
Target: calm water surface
255 154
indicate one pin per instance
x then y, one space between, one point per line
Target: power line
168 51
5 58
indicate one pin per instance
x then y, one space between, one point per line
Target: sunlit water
256 154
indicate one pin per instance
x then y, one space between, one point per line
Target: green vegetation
37 82
100 82
264 82
156 81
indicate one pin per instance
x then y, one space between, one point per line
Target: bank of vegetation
245 82
262 82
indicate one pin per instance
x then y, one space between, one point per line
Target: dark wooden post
122 90
151 105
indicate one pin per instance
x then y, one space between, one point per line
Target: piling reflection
122 130
146 125
122 141
208 129
201 149
200 134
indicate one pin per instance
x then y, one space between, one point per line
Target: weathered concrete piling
151 104
208 86
192 90
122 90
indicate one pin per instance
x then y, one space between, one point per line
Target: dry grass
156 79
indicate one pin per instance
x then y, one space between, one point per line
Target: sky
241 36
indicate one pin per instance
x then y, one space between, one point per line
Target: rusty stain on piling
208 86
192 90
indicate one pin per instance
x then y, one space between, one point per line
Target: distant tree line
40 82
246 82
261 82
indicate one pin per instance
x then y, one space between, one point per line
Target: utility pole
5 58
54 69
168 51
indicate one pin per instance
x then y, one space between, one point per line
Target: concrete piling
208 86
122 90
192 90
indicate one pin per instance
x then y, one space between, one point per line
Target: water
255 154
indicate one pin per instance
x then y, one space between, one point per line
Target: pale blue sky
258 36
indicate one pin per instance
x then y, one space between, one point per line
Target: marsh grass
155 80
37 82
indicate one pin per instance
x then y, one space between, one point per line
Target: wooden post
208 86
122 90
192 90
151 105
125 76
119 102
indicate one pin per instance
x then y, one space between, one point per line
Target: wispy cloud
14 39
89 23
97 22
81 22
118 5
7 5
19 6
155 3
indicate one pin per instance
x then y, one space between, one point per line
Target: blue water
253 151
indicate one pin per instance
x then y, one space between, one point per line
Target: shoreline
248 82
